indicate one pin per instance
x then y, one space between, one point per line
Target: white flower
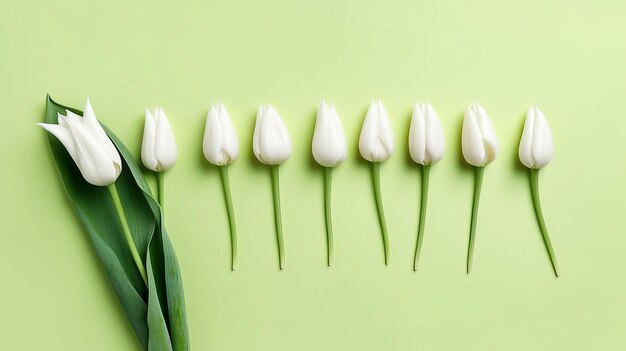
376 140
426 141
271 143
220 144
158 149
88 145
479 144
329 140
536 147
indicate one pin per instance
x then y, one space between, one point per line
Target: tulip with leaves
426 146
329 150
221 148
376 145
158 148
125 227
535 151
480 148
98 161
271 145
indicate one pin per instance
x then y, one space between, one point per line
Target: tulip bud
88 145
271 143
329 140
220 144
479 144
158 148
376 140
536 147
426 141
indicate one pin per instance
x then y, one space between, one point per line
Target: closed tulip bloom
220 144
376 141
271 143
329 140
536 147
329 150
158 149
426 140
426 146
272 146
88 145
221 148
480 147
479 143
535 151
376 145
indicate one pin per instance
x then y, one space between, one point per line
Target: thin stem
534 185
277 215
161 189
127 235
422 220
328 178
379 206
231 216
477 187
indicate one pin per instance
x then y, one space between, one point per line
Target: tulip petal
542 146
488 134
90 120
147 145
417 135
256 147
165 149
435 140
63 134
472 141
525 147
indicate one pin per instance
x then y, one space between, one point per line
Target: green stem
534 185
379 206
328 178
161 188
231 216
477 187
422 220
127 235
277 215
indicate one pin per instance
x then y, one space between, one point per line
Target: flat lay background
567 57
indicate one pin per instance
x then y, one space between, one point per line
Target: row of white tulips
99 162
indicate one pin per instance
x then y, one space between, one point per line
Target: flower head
158 148
88 145
479 144
426 140
329 140
220 144
271 143
536 147
376 141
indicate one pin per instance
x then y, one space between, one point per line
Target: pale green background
567 57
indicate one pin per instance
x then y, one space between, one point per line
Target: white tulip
271 143
376 140
220 144
426 140
88 145
158 148
536 147
329 140
479 144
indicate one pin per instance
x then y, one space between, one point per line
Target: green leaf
157 315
